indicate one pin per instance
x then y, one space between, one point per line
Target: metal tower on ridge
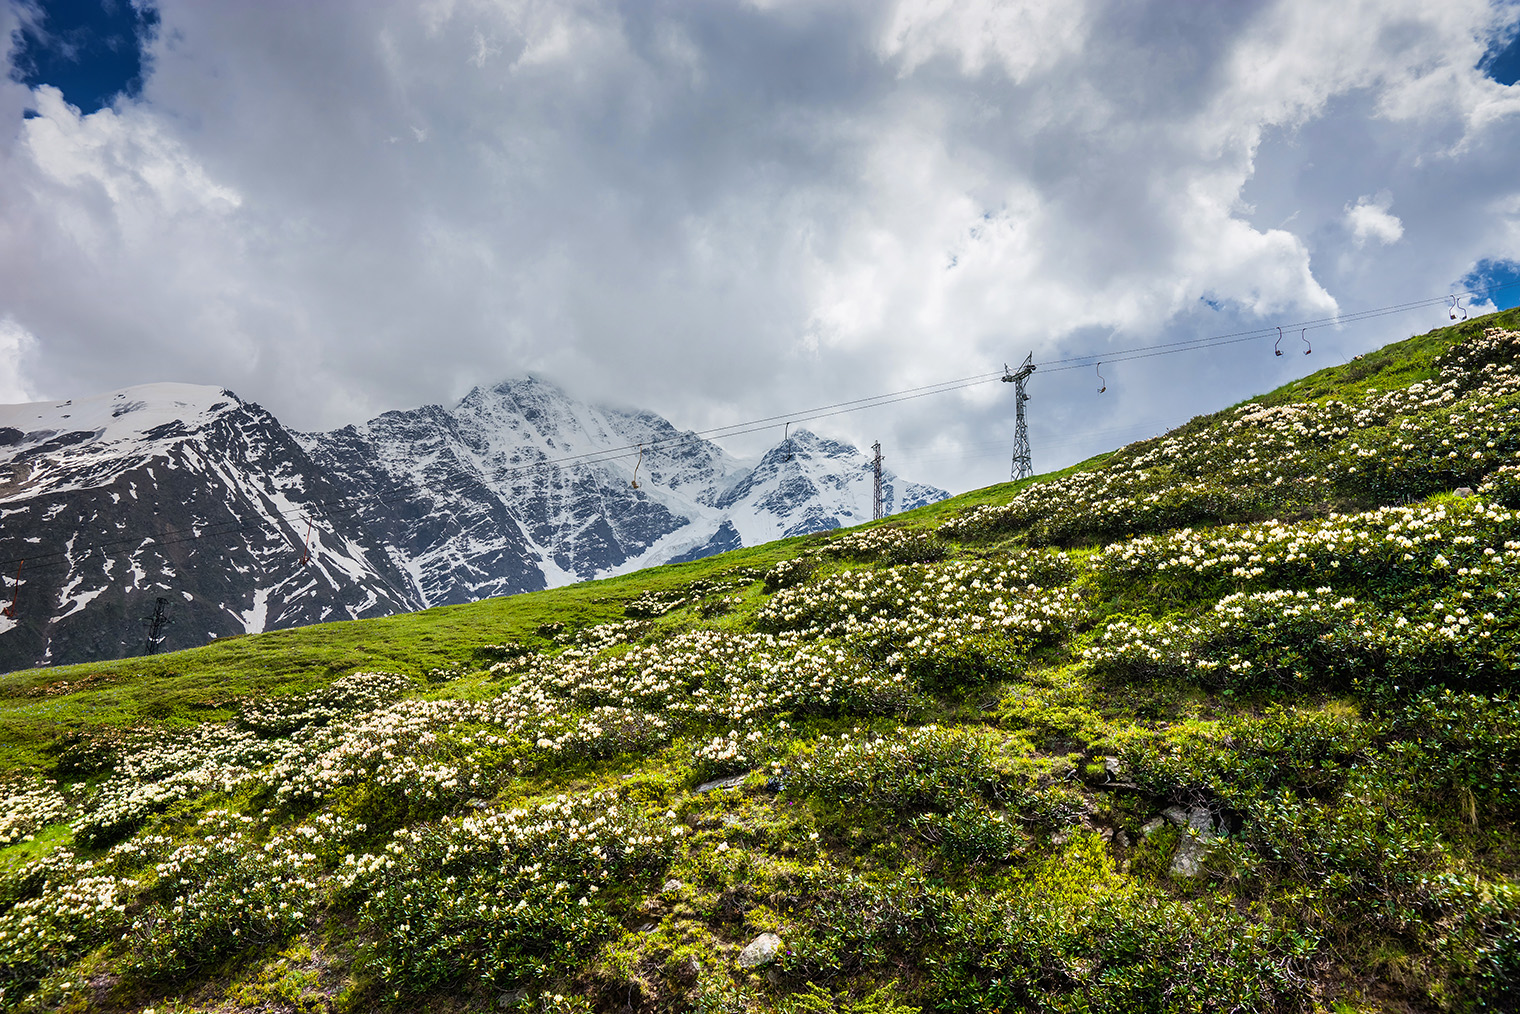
157 623
876 511
1023 468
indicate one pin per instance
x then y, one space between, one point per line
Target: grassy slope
1049 715
196 685
206 684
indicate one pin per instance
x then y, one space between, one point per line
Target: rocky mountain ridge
189 493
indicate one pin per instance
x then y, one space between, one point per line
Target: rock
1192 844
761 951
671 886
731 782
512 998
1177 815
1151 826
1463 491
1114 767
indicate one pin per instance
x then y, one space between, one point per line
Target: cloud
1019 37
1369 219
727 210
16 343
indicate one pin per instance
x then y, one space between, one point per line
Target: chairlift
635 482
9 612
1277 345
1456 304
306 546
1304 334
787 438
1103 384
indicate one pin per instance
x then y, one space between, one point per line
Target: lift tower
1022 467
877 509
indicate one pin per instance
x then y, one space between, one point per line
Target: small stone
722 783
671 886
648 927
512 998
1114 767
1193 843
1151 826
1464 491
761 951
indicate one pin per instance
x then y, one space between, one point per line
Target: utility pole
1023 468
877 513
156 627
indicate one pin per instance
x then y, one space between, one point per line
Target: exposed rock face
177 491
191 494
496 508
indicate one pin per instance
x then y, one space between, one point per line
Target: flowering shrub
788 573
887 544
156 770
1383 553
58 908
507 897
26 809
1502 485
361 691
725 755
920 592
927 769
652 603
220 893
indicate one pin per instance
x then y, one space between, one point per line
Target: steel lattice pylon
878 509
1023 467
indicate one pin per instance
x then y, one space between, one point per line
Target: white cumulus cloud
1369 218
16 343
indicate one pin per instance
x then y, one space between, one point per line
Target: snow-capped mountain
190 494
173 490
519 487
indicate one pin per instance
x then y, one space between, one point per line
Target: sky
723 210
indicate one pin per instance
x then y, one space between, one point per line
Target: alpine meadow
1222 721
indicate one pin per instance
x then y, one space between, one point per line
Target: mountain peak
129 413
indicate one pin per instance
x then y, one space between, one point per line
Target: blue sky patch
1502 61
91 50
1501 279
